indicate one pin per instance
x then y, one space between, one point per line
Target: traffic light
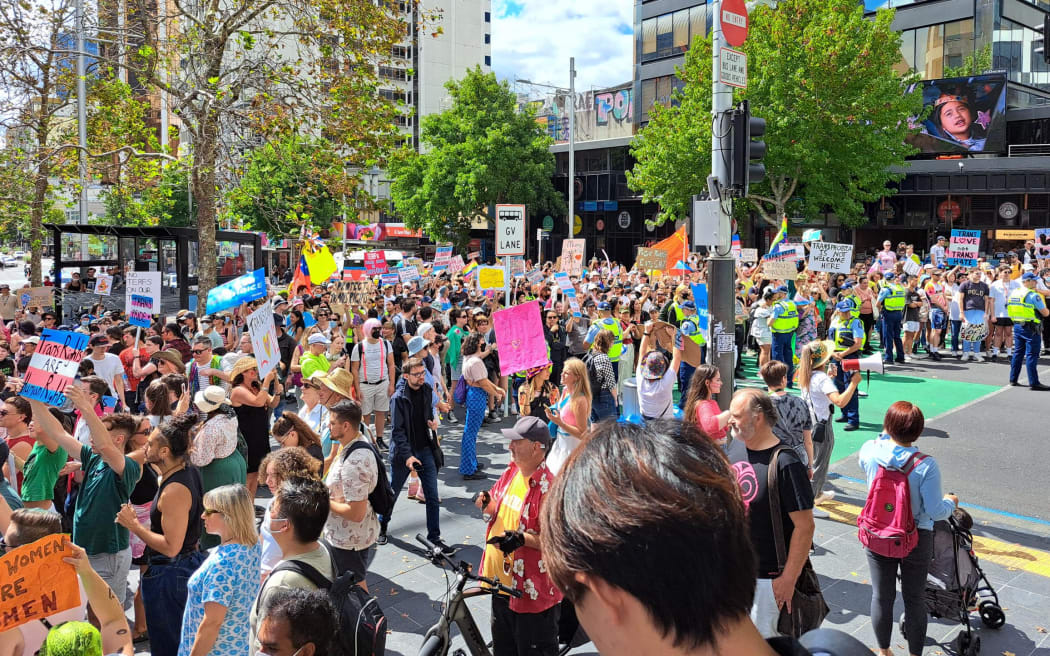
1040 41
745 167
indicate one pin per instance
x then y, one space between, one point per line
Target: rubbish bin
629 402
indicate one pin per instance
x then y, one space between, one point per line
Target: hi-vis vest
1019 309
613 326
895 301
787 322
840 328
698 336
855 302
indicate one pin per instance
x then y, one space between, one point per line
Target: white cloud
533 40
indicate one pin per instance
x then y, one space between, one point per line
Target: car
20 254
9 261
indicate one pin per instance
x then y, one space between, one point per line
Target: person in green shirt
315 358
453 356
42 466
109 478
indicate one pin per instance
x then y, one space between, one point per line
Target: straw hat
338 380
821 352
170 355
242 365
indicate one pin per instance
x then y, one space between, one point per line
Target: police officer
1025 306
672 312
891 302
783 322
848 335
691 329
606 321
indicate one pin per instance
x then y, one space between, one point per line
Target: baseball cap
318 338
890 275
941 237
1027 267
844 306
604 305
529 428
781 289
279 300
688 305
1029 276
31 340
98 340
847 284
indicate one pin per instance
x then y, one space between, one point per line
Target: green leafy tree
289 182
478 152
163 201
823 77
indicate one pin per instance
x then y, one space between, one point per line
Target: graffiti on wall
599 114
616 105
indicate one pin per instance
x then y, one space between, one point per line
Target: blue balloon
677 413
635 419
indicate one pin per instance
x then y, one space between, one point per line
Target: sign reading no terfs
510 230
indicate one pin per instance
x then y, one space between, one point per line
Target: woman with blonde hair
223 588
570 414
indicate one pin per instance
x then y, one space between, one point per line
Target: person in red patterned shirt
528 624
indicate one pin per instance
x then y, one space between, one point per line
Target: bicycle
437 640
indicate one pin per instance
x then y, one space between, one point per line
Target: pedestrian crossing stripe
1007 554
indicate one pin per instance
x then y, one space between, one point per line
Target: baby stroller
956 584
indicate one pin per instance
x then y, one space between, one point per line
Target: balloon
677 413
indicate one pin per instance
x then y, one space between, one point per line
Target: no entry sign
733 16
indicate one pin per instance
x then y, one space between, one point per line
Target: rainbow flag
779 237
470 268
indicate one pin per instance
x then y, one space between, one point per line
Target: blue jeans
685 376
973 316
852 410
782 351
603 406
891 335
1026 347
428 478
956 327
164 594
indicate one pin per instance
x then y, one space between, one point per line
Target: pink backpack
887 525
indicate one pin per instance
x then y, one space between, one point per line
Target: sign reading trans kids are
963 248
54 366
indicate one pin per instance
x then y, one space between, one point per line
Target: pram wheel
967 644
991 614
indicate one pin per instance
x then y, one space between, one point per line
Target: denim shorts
937 319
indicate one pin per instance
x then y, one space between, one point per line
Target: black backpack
382 495
592 374
362 624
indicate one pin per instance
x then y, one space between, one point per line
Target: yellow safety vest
698 336
613 326
839 329
679 314
787 322
1019 308
855 302
895 301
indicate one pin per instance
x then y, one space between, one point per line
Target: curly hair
291 461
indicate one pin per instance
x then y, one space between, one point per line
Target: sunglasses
4 413
416 373
208 512
199 351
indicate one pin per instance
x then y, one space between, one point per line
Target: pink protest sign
519 338
375 263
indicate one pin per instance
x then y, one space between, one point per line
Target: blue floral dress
229 576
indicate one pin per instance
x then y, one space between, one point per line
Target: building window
671 34
393 94
697 21
648 38
680 20
488 38
488 60
488 17
392 73
958 43
401 52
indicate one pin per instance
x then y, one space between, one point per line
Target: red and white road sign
734 22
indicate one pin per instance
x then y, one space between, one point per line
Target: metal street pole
572 146
721 278
81 111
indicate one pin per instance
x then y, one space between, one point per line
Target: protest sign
491 277
572 251
829 257
517 265
442 255
963 248
749 255
39 297
145 283
456 264
780 269
375 263
700 300
414 262
1042 243
103 284
651 258
140 310
535 276
519 338
389 279
243 289
911 267
564 283
37 582
54 366
358 291
264 339
408 273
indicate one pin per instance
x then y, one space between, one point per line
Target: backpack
886 525
593 375
459 394
362 625
382 495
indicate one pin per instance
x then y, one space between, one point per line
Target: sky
533 40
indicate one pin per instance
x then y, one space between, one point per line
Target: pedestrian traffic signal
745 167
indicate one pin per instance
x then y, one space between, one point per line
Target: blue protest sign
963 248
140 310
700 299
246 288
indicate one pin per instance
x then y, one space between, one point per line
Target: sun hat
417 344
529 428
241 366
424 328
338 380
318 338
209 398
532 372
821 351
655 365
169 355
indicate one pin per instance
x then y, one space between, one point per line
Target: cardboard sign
780 269
833 258
264 339
39 297
103 284
456 264
749 255
442 256
517 265
375 263
408 273
37 583
243 289
535 276
963 248
389 279
911 268
491 277
572 251
54 366
649 259
147 284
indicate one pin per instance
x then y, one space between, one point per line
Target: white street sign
510 230
732 68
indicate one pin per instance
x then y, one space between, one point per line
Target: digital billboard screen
962 114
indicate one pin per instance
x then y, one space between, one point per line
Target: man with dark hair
107 366
297 518
115 336
172 335
752 416
297 623
206 368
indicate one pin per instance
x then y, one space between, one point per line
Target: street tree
828 82
480 151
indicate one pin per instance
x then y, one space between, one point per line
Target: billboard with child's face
963 114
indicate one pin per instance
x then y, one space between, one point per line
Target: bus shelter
94 249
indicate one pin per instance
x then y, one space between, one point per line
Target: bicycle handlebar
434 554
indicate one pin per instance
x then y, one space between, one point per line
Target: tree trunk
36 223
205 155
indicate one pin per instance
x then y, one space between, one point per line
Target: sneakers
977 358
382 539
451 419
840 420
965 356
823 497
851 427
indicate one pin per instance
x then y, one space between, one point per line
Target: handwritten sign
833 258
144 284
103 284
39 297
780 269
54 366
442 256
535 276
243 289
963 248
519 337
375 263
456 264
389 279
490 277
651 259
572 251
140 310
911 267
408 273
37 582
749 255
264 339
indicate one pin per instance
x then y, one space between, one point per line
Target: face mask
375 333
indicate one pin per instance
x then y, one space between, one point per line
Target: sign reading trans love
734 22
510 230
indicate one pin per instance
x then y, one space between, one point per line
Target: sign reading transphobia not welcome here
833 258
54 366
